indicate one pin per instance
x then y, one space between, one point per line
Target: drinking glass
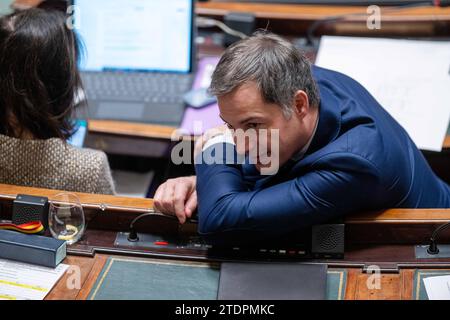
66 218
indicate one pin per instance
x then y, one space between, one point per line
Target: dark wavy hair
39 76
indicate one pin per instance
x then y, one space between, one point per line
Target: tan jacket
53 164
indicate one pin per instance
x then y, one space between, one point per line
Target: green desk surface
137 279
419 291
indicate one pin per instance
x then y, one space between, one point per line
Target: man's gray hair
276 65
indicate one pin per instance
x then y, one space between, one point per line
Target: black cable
433 249
316 24
133 236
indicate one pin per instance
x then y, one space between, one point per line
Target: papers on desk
21 281
132 184
409 78
438 288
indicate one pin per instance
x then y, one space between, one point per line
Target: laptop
138 59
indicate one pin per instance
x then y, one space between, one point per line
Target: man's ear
301 103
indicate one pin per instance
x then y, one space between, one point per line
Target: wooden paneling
314 12
95 201
447 142
300 12
390 216
393 286
399 216
100 261
352 280
389 288
66 288
359 286
132 129
407 283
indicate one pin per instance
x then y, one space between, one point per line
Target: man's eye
252 125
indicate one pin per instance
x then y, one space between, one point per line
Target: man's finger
167 198
179 199
157 199
191 204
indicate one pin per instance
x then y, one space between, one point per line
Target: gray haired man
339 152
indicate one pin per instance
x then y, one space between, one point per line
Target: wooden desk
315 12
298 11
111 204
385 238
394 286
294 19
89 268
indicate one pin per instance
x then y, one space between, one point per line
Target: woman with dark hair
39 80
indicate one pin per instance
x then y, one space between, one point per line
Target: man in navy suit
338 150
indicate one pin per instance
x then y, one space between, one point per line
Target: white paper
132 184
438 288
409 78
22 281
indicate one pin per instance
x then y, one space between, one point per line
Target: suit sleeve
226 208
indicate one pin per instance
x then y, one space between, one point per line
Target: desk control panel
322 241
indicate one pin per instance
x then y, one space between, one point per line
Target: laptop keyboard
160 88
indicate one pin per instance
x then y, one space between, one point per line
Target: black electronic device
28 208
325 241
433 249
139 66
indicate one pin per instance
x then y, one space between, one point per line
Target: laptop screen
135 35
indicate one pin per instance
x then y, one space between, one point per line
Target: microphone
433 247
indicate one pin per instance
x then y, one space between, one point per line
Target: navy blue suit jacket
360 159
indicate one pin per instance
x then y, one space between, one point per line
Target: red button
161 243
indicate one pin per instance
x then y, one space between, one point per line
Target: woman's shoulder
54 164
92 165
88 158
86 153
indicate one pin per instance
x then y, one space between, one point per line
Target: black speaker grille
24 214
328 238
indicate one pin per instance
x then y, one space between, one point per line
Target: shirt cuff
225 137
